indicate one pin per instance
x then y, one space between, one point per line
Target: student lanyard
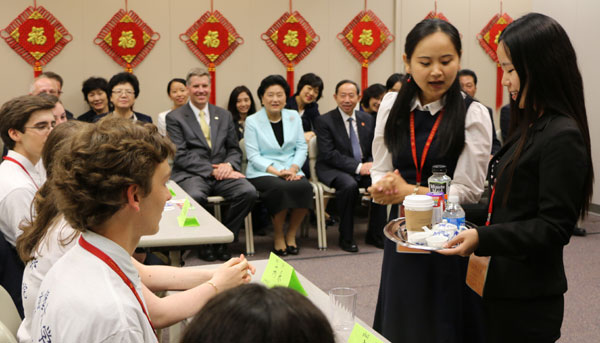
413 143
491 205
109 261
22 167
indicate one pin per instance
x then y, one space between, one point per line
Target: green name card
183 220
172 191
280 273
361 335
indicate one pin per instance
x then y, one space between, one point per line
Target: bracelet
214 286
416 190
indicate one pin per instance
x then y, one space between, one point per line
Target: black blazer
140 117
194 157
311 112
528 231
335 151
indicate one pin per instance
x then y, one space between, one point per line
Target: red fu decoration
291 38
212 39
37 36
488 39
365 37
127 39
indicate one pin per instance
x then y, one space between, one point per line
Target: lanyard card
280 273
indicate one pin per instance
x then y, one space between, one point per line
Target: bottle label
456 221
437 187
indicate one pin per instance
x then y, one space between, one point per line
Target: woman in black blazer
542 181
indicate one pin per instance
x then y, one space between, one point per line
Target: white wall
579 19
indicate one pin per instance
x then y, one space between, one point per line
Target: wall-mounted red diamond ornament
127 39
37 36
436 15
291 38
488 39
365 37
212 39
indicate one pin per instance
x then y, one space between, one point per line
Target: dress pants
240 194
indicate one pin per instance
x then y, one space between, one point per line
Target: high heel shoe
293 250
282 252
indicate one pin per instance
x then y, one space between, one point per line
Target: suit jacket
528 231
263 149
194 157
335 151
311 112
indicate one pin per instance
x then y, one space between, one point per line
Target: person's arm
167 278
251 140
14 209
232 144
471 167
382 158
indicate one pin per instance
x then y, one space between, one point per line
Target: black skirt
278 194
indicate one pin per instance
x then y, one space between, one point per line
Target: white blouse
471 167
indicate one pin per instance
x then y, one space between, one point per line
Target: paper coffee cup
418 210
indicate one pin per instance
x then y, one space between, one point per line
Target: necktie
354 141
204 127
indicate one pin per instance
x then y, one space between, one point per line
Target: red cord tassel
213 83
290 77
364 77
499 88
37 69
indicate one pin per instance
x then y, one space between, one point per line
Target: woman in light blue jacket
276 149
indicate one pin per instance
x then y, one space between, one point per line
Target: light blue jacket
262 147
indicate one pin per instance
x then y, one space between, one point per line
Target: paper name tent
280 273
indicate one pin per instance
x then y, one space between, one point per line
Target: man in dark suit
344 138
208 157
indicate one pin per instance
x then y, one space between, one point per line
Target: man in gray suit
208 157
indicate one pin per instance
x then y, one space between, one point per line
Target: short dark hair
312 80
177 79
373 91
53 76
90 182
339 84
93 83
232 104
393 79
252 313
468 72
272 80
17 111
124 77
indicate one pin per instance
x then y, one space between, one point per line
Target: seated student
95 93
49 237
25 123
111 187
241 105
178 93
255 314
123 89
308 92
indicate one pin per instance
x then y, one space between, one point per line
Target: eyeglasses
45 127
123 91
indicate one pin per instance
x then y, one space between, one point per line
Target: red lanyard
491 206
109 261
413 143
22 167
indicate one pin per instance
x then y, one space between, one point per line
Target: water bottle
454 213
439 181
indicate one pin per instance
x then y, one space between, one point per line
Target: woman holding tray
542 183
423 297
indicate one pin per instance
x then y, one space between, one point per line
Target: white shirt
355 127
162 122
471 167
17 190
50 250
83 300
196 111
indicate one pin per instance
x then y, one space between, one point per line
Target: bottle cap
439 168
453 199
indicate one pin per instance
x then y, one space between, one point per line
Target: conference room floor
335 267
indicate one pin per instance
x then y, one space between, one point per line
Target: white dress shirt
162 122
17 191
82 299
196 111
50 250
355 126
471 167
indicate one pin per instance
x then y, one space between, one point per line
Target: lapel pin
216 118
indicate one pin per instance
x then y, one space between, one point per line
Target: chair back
9 316
244 157
313 151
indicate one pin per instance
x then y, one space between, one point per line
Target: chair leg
321 227
217 208
249 234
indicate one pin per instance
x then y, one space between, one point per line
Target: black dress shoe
280 252
376 242
222 252
349 246
579 231
207 253
292 250
330 221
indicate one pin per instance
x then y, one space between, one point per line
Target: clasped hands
289 174
223 171
391 189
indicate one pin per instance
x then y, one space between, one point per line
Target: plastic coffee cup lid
418 201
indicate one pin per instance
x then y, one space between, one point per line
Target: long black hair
232 104
544 59
451 135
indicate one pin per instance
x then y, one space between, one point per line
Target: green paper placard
172 191
361 335
280 273
183 220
